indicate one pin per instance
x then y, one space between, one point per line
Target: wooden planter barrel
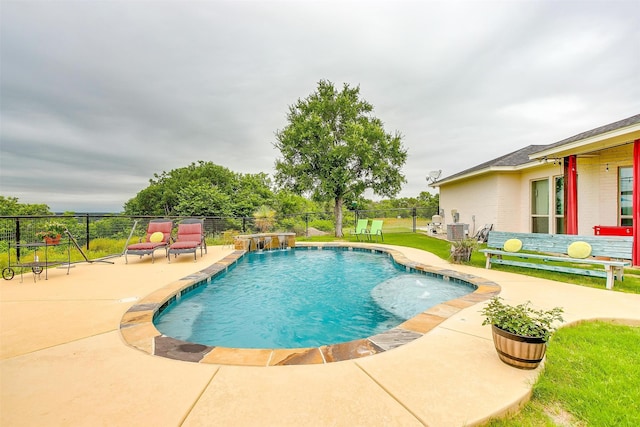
517 350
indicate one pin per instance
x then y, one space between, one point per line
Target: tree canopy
202 188
334 149
11 206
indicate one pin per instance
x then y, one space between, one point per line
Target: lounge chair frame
148 248
375 230
181 246
361 229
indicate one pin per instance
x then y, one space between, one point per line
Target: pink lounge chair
190 237
152 241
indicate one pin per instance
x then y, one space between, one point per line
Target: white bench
614 253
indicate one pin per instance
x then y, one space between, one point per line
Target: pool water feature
300 298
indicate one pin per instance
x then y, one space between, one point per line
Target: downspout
636 202
571 195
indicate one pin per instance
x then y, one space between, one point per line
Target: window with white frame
625 192
540 206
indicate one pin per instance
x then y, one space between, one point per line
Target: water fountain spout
256 242
282 241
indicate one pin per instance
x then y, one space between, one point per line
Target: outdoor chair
483 234
190 237
376 229
435 226
157 237
361 228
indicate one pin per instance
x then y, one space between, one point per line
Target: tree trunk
337 212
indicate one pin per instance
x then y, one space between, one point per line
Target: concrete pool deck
63 360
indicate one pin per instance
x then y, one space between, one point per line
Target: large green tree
202 198
334 149
202 188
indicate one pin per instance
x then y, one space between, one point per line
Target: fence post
415 214
87 222
306 220
244 226
18 239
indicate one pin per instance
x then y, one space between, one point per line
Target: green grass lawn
591 378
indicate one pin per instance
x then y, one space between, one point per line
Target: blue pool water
303 298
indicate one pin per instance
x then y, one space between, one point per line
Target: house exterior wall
544 171
504 198
590 194
510 207
607 206
475 197
598 153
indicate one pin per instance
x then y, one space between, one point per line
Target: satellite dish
433 176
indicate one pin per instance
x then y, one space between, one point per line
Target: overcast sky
97 96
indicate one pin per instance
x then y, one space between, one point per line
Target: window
540 206
559 205
625 189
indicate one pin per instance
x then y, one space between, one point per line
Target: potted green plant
520 332
52 232
461 250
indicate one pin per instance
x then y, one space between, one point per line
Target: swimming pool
139 332
300 298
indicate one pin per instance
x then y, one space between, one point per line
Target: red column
571 195
636 202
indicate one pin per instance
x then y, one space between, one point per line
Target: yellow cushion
579 250
512 245
156 237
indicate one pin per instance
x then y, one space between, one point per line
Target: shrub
521 319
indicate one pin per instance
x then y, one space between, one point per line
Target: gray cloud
96 97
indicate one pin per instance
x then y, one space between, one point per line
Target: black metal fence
87 228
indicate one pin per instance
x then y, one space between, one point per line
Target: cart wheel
8 273
36 270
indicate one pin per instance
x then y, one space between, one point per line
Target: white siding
607 206
589 194
510 205
477 197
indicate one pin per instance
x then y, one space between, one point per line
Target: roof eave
491 169
597 142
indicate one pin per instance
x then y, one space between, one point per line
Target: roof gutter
602 141
484 172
